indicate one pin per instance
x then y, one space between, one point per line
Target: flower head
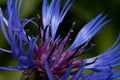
16 36
53 56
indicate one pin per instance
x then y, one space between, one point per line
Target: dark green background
81 12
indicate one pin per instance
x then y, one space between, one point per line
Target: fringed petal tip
89 30
52 15
106 62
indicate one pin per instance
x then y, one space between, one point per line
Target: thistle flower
52 58
53 55
16 36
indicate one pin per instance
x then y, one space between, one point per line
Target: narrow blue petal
49 73
50 10
9 68
63 10
0 12
55 16
14 23
4 50
14 48
62 14
67 73
5 21
79 72
96 27
24 58
26 21
88 31
45 20
108 58
9 8
44 13
21 47
20 2
32 44
3 28
14 18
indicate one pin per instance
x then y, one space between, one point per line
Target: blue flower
52 55
16 36
103 66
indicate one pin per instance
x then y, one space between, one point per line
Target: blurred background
81 12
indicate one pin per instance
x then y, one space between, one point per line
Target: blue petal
9 8
47 68
26 21
20 2
78 75
50 11
51 15
9 68
109 57
88 31
3 28
14 20
106 62
32 44
65 9
14 24
58 15
24 58
67 73
44 13
55 16
14 68
4 50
